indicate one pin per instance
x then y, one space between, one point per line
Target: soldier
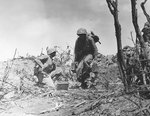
146 32
44 66
85 51
146 37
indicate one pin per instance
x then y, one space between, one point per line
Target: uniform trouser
40 77
85 61
50 78
45 79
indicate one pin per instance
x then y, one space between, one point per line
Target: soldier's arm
38 62
43 66
47 63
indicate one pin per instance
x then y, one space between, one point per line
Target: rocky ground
19 96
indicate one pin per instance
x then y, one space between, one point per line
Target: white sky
30 25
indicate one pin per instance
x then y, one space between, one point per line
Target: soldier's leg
49 82
88 59
40 77
84 71
55 74
79 69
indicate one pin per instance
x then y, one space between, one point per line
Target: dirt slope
20 97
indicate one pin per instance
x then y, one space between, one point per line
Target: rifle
95 37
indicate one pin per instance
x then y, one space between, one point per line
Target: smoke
31 25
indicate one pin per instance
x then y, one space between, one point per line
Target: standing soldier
85 51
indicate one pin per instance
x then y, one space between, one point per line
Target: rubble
20 96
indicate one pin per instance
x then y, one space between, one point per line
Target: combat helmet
147 24
81 31
50 51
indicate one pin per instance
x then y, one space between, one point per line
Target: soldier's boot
40 77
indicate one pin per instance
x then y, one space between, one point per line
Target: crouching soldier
44 66
85 51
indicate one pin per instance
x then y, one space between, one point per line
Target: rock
9 95
1 95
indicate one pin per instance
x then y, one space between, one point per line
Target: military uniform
146 32
85 51
44 66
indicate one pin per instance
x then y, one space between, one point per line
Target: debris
67 98
80 104
7 70
87 107
62 85
57 106
9 95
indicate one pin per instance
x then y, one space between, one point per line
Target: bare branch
135 23
132 38
132 101
114 4
144 11
110 6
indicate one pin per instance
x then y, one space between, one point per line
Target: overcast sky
30 25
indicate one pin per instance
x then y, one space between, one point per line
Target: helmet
147 25
81 31
50 51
